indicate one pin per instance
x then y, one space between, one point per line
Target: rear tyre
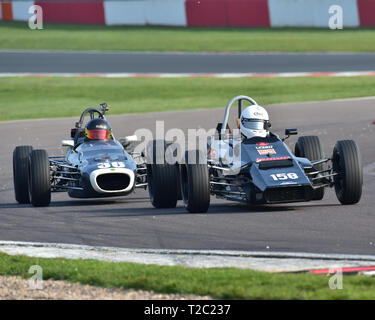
162 177
309 147
39 179
347 163
21 173
195 184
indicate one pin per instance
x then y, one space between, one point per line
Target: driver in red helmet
98 129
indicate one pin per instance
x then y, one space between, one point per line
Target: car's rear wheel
162 177
347 163
39 179
21 173
309 147
195 184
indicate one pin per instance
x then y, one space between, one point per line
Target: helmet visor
253 124
98 134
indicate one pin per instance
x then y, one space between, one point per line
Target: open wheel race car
92 167
266 173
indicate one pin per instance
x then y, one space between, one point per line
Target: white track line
193 75
256 260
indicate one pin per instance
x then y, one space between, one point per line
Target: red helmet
98 129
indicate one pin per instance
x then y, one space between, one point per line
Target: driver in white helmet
254 122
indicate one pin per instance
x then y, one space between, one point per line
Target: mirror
67 143
291 132
130 138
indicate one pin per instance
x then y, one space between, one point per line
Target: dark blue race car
92 167
260 170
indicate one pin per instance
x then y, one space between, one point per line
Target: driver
98 129
254 122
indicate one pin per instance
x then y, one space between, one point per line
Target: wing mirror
290 132
128 139
67 143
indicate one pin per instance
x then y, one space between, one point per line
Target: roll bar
229 105
91 112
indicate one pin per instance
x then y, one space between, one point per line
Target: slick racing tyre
21 173
309 147
162 177
39 179
347 163
195 184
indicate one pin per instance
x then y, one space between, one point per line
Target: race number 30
284 176
115 164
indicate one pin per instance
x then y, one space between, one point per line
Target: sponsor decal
272 159
263 152
263 147
262 143
287 182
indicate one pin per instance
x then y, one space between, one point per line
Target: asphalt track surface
136 62
131 222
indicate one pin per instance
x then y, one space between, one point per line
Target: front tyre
195 184
309 147
347 163
162 177
39 179
21 173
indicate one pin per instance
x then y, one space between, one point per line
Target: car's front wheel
347 163
21 173
162 177
39 179
195 184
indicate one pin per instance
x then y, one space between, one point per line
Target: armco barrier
206 13
307 13
6 11
21 10
152 12
245 13
227 13
195 13
87 12
366 10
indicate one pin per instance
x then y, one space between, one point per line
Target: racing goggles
98 134
255 124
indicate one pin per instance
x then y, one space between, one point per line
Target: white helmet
254 122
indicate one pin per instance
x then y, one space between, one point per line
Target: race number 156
284 176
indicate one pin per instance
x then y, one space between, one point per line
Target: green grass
17 35
224 283
25 98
